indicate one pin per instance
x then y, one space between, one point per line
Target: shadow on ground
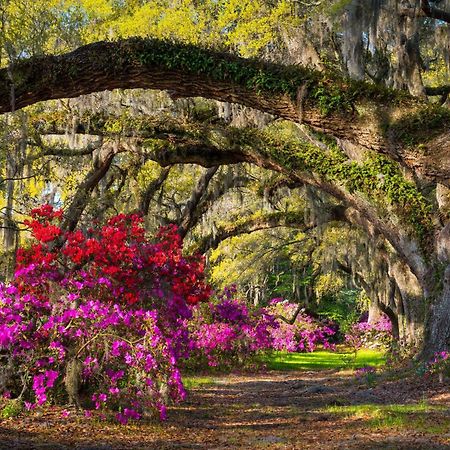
276 410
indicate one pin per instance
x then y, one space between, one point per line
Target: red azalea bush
101 311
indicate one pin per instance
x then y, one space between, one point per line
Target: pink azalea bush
101 311
439 364
227 332
370 335
304 335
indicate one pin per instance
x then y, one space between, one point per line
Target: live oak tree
381 154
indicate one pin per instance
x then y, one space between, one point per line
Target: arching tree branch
188 216
356 111
151 189
82 196
265 222
435 13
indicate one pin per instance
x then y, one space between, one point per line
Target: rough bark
78 204
188 216
437 337
132 64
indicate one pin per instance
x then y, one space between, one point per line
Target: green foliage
12 408
343 308
331 92
266 259
378 177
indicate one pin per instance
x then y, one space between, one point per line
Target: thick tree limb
215 145
49 150
426 10
225 145
438 90
435 13
442 91
187 71
151 189
82 196
188 216
265 222
219 189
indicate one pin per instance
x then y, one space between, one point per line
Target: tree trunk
437 337
374 313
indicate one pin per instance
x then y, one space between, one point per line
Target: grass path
293 409
320 360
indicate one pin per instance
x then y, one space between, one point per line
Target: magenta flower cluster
104 312
440 363
365 334
304 334
124 354
228 333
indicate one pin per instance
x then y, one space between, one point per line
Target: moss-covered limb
203 199
246 225
421 127
189 218
124 64
171 141
430 10
343 108
327 170
378 178
59 150
81 198
61 122
151 189
421 145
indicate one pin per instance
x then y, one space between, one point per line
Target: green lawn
418 417
196 381
324 360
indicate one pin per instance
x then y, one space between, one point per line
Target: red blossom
119 252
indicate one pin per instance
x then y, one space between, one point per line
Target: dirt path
276 410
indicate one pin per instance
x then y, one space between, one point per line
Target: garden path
267 410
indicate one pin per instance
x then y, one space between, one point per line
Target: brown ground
273 410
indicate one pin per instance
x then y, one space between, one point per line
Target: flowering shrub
363 371
365 334
227 333
440 364
303 335
104 309
367 373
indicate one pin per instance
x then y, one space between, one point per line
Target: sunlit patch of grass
195 382
320 360
419 416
